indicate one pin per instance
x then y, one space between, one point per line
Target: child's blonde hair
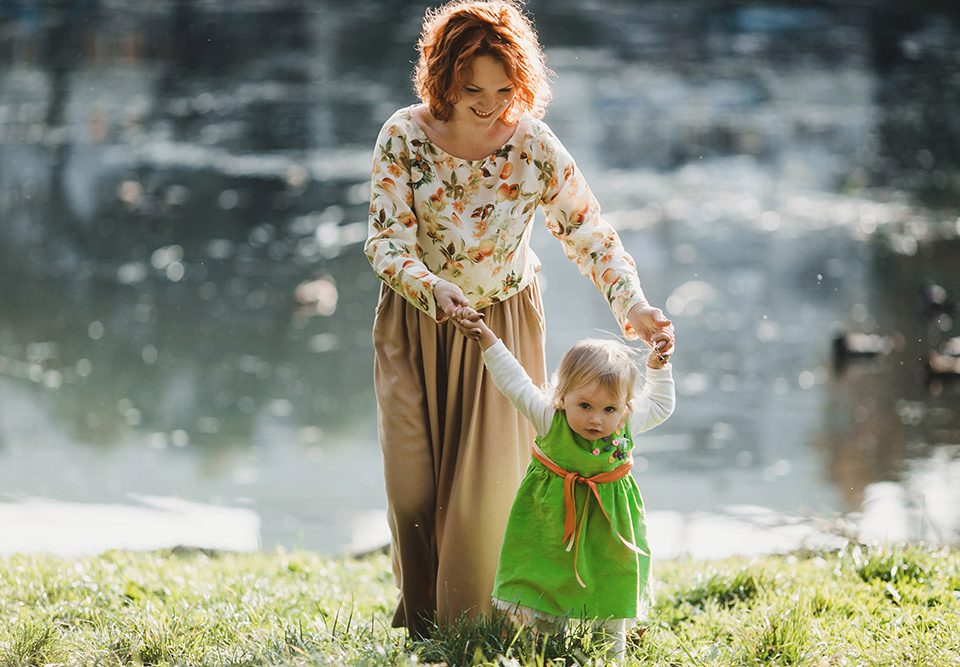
608 362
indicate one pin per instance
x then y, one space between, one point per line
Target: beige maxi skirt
454 452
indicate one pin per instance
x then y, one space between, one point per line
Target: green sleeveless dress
537 571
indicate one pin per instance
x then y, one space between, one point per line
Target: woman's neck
461 138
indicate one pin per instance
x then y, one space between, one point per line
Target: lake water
170 176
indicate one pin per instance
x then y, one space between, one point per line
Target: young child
575 545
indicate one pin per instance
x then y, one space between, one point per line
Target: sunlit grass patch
892 605
723 588
808 609
33 641
781 633
194 608
893 565
489 640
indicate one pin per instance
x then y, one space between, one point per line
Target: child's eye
609 409
506 90
472 90
584 406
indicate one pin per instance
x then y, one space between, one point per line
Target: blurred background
185 310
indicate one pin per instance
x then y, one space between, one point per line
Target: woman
456 181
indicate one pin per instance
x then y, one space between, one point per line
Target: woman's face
486 94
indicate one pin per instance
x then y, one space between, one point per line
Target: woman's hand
449 297
653 327
451 301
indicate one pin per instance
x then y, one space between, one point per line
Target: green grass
860 606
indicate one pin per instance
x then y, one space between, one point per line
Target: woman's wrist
437 288
638 308
635 319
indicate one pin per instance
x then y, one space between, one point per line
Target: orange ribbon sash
573 527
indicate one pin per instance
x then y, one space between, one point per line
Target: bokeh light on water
186 311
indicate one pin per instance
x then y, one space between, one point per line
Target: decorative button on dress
603 572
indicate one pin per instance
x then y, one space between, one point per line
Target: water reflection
885 411
187 311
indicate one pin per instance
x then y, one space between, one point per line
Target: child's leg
538 621
615 634
547 626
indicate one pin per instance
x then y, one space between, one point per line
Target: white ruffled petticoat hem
541 621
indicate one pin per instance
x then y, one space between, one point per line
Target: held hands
655 330
657 360
471 323
450 300
449 297
456 307
649 322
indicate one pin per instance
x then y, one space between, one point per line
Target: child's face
593 412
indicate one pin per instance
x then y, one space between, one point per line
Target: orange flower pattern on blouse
433 216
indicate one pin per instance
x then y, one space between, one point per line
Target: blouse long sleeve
391 244
573 217
656 400
514 383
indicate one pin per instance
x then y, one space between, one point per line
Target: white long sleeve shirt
653 405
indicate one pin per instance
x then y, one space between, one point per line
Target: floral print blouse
435 216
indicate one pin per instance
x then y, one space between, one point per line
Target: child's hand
467 315
658 359
472 325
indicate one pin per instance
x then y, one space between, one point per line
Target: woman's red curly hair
454 34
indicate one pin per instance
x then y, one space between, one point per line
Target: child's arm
656 401
508 375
